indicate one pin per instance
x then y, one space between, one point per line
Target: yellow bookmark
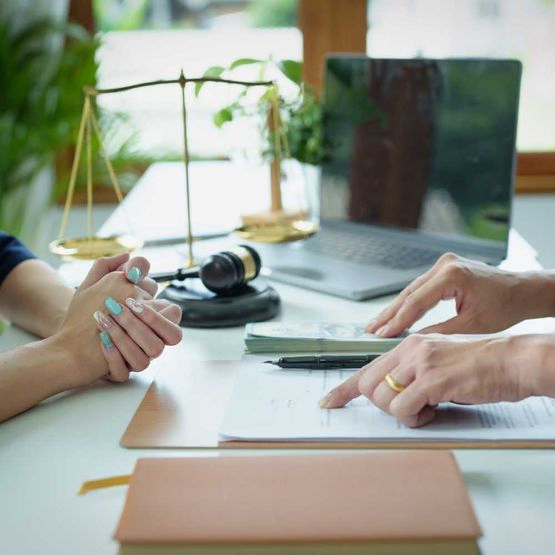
104 483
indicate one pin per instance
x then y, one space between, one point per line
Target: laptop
420 161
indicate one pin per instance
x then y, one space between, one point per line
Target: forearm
35 298
34 372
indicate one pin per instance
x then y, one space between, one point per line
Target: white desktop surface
47 452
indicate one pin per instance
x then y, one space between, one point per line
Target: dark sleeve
12 253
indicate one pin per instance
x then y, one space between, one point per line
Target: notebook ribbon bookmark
112 481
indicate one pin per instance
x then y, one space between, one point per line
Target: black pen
323 362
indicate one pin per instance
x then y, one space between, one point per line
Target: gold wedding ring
393 383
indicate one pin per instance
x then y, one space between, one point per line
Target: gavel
224 273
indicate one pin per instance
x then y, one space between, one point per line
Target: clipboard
184 407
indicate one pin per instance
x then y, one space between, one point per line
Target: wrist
530 360
75 369
56 323
58 313
61 364
536 294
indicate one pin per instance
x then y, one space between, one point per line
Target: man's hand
487 299
435 369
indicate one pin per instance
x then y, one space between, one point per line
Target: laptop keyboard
383 252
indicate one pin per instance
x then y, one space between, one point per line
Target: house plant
44 66
294 133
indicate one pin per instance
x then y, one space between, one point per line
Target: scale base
203 309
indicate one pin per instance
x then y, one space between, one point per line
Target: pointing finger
418 303
387 314
339 396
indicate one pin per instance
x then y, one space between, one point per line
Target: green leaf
244 62
292 70
222 116
214 71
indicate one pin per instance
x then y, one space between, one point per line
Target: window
492 28
148 40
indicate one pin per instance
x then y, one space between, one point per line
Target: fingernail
324 402
105 338
379 331
134 305
134 274
386 330
101 319
113 306
370 324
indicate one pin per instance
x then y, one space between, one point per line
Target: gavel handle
180 274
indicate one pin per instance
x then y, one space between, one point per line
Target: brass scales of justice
276 229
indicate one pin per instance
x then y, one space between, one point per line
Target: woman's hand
135 332
70 355
135 269
430 370
118 293
487 299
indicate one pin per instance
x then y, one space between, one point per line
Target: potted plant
44 68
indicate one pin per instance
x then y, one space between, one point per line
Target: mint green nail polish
113 306
106 341
134 274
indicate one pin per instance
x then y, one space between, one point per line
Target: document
274 404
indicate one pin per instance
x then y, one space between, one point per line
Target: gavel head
227 272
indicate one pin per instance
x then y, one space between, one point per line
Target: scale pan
279 232
91 248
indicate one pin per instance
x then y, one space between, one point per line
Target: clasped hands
430 367
113 324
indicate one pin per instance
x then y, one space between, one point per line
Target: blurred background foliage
302 135
129 15
40 102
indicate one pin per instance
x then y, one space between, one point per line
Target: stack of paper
285 403
318 337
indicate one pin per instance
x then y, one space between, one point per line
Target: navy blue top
12 253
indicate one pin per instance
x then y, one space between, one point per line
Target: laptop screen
420 144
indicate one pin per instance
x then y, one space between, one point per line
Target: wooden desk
46 453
